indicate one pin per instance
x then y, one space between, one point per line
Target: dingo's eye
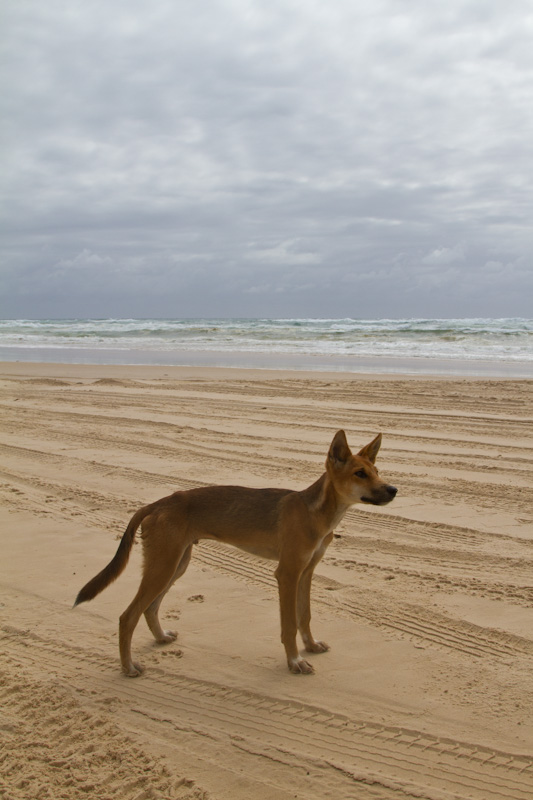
360 473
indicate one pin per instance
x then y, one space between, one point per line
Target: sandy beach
427 691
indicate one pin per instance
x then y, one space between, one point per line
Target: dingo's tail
117 564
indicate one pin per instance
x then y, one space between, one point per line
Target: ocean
450 346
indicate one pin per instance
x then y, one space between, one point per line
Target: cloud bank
237 158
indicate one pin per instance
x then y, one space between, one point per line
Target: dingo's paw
316 647
134 670
298 666
168 636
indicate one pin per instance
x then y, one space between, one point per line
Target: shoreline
272 362
158 372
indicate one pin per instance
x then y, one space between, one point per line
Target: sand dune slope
427 691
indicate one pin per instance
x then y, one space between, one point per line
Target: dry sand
427 691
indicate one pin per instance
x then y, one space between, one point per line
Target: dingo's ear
371 450
339 452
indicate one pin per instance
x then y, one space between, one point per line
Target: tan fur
292 528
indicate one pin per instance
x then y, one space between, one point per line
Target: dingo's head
355 478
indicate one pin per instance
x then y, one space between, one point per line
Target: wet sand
232 359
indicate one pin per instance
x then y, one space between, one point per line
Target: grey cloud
274 159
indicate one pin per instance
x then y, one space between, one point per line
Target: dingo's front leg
303 605
288 579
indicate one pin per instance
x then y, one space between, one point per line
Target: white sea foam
493 340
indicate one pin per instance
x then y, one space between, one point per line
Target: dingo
292 528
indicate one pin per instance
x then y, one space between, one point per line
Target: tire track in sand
410 621
389 761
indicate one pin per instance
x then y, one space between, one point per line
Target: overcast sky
364 158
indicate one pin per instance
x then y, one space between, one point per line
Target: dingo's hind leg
155 581
152 612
